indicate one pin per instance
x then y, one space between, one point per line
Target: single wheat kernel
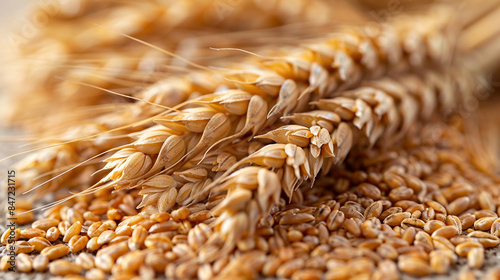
158 241
77 243
95 273
23 263
134 220
5 263
55 252
466 274
160 217
138 237
475 258
85 261
486 239
96 229
114 214
62 268
433 225
114 251
106 237
104 262
111 224
73 230
92 244
446 232
63 226
440 263
7 235
91 216
32 232
463 249
485 213
23 247
39 243
165 226
123 230
24 218
458 206
414 266
52 234
396 218
467 220
45 224
484 223
412 222
180 214
118 239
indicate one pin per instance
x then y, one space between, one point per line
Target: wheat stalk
67 47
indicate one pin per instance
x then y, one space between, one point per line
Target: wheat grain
118 239
4 263
484 223
73 230
467 274
40 263
23 247
106 237
32 232
96 229
77 243
446 232
8 235
55 252
486 239
463 249
475 258
414 266
92 244
62 268
45 224
39 243
138 236
467 220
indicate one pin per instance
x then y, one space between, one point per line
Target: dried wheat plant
336 152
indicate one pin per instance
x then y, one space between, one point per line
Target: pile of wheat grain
345 157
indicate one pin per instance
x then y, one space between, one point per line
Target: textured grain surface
492 257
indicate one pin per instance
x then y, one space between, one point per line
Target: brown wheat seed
55 252
394 207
